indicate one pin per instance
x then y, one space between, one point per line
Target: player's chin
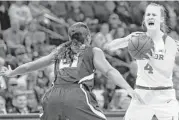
151 28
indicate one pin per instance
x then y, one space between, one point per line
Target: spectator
20 103
75 14
4 17
100 38
33 39
114 23
122 11
13 37
21 56
20 12
33 102
11 86
36 9
2 105
120 100
42 84
110 6
2 79
3 48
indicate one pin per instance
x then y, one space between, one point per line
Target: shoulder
172 43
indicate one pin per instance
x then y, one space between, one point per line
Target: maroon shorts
70 102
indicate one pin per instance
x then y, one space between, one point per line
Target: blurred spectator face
152 18
114 20
21 101
104 28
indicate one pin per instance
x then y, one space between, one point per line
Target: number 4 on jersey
149 68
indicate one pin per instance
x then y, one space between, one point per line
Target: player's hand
135 96
5 71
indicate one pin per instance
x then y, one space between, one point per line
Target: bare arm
34 65
120 42
117 43
105 68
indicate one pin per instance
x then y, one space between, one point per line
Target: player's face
152 17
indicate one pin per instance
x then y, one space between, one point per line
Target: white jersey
158 72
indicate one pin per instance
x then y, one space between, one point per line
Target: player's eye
154 14
148 14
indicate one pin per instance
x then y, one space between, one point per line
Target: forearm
118 79
33 66
19 70
117 44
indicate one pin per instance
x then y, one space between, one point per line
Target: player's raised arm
111 73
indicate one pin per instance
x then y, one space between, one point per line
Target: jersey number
149 68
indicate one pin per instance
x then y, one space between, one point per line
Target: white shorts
161 103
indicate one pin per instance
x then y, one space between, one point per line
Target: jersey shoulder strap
164 37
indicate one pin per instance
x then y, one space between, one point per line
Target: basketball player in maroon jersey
70 98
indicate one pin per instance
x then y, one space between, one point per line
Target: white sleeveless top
159 72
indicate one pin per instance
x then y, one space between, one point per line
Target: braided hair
78 34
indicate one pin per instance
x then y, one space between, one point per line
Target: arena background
31 29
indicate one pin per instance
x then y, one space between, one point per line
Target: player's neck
155 34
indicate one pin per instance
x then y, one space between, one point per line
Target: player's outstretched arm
31 66
111 73
28 67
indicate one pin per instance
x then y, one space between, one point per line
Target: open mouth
151 23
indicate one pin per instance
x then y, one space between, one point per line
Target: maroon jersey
81 70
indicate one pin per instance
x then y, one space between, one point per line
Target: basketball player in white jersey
154 77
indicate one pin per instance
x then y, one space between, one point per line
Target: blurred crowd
29 30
